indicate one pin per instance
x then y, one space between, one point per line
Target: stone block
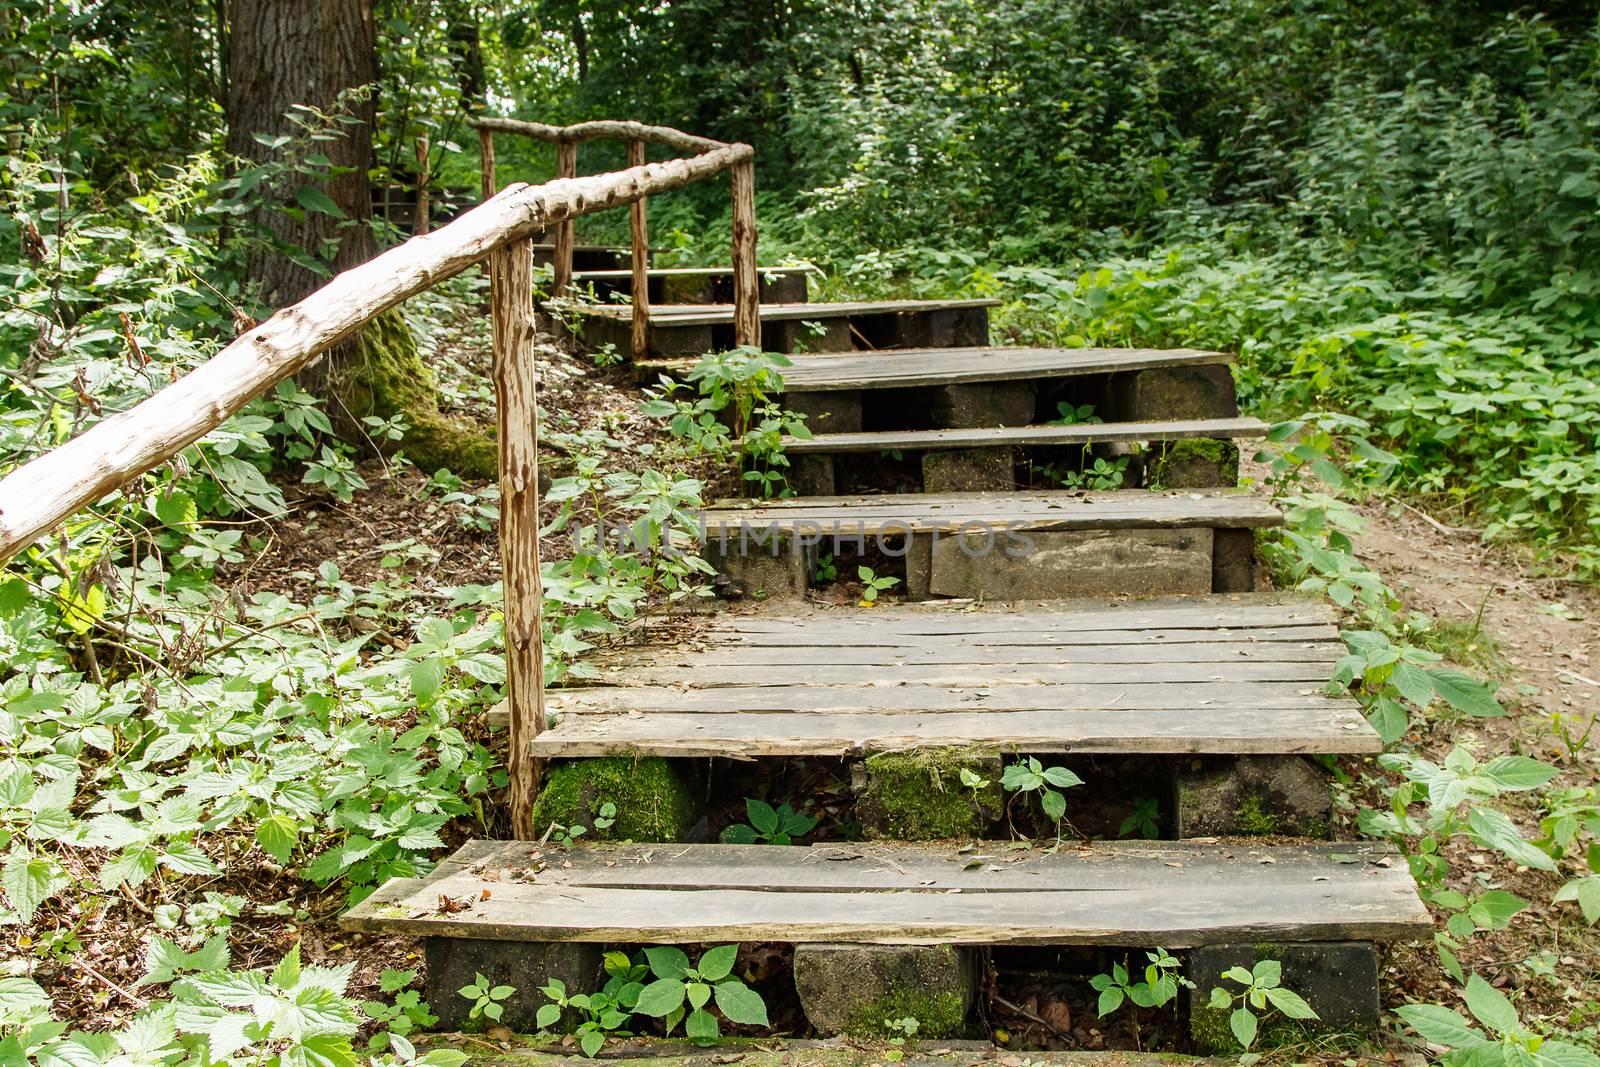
1171 393
810 475
1028 565
670 341
454 962
980 404
945 328
966 470
834 411
1219 796
654 798
1194 463
858 989
1339 979
824 335
918 796
757 569
1233 564
919 568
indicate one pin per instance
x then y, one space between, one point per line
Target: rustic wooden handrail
746 286
41 494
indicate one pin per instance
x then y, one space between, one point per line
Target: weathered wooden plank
966 654
1195 730
917 367
723 314
949 512
693 272
1115 895
1022 436
949 643
999 670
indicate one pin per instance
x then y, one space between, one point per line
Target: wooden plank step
1022 436
1095 678
1178 895
949 512
692 272
915 367
722 314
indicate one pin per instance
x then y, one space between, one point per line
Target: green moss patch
918 796
385 376
653 799
1195 463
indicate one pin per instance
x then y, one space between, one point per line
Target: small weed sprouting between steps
488 1000
1031 776
1263 990
768 825
681 992
1145 820
605 1014
872 584
1160 985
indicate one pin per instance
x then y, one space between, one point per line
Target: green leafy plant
488 1000
1160 984
1262 990
1145 820
1029 776
605 1014
873 584
768 825
682 993
1503 1042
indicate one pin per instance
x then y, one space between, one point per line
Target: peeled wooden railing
38 496
746 299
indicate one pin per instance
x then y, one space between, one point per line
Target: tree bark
285 53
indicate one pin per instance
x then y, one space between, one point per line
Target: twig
1574 674
1448 531
1026 1014
138 1002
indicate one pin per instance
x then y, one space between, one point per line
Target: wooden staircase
1046 613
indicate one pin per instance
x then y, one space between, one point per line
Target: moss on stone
652 798
1213 1036
1195 463
385 376
918 796
1254 819
938 1015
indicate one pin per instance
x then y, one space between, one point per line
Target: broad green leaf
1290 1003
1586 891
1465 693
1243 1025
661 997
1439 1025
701 1027
1110 1000
29 881
761 815
277 834
1495 908
740 1003
547 1016
315 200
1490 1007
667 961
717 963
1517 772
1389 718
592 1042
1494 829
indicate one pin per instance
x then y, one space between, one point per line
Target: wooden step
999 546
1022 436
1212 675
1177 895
918 367
694 329
701 285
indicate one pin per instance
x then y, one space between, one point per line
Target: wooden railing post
746 286
515 380
486 161
420 224
566 167
641 263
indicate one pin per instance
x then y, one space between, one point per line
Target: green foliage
683 993
488 1000
602 1015
1504 1040
873 583
1263 990
1028 775
768 825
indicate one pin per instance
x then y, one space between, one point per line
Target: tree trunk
287 52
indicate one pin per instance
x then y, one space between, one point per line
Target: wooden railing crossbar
746 285
40 495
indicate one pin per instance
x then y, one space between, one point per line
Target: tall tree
321 54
